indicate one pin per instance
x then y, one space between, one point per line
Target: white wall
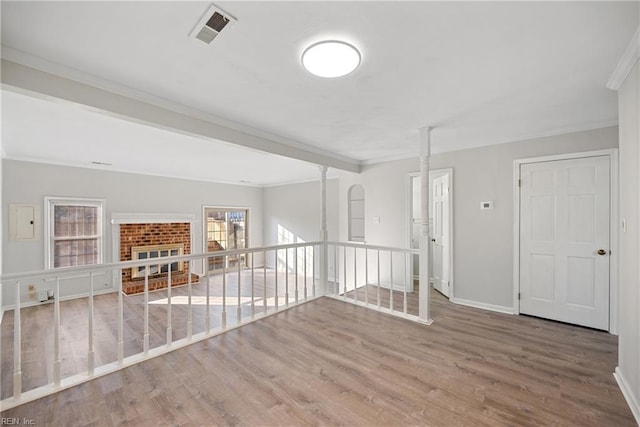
483 240
2 228
29 183
628 371
296 207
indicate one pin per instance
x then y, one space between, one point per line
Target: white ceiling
29 125
483 73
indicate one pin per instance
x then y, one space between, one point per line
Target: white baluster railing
394 276
213 286
212 291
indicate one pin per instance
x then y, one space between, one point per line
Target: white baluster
189 307
313 268
120 321
305 272
276 273
296 269
366 276
91 354
391 280
253 281
169 308
145 334
264 281
336 270
238 309
207 316
344 262
355 274
378 288
286 277
56 335
17 345
224 293
404 276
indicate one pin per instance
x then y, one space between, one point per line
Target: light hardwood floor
37 323
332 363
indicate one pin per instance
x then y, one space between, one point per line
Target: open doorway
440 226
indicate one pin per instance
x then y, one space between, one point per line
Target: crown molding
581 127
302 181
626 63
112 169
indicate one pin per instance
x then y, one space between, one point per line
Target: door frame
432 173
613 225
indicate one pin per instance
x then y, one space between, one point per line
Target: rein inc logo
17 421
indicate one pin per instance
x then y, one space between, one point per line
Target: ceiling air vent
211 24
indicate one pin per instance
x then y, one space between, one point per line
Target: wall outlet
42 296
32 291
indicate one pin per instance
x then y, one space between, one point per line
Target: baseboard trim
627 393
484 306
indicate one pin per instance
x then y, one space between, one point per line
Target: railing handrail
86 270
375 247
279 287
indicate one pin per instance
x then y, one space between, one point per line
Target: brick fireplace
155 239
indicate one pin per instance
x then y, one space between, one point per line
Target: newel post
425 290
324 250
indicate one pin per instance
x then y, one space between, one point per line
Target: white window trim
49 204
224 208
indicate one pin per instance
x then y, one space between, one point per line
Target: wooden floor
37 323
332 363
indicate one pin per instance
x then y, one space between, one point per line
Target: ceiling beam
43 84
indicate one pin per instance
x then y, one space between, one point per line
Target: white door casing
439 234
565 240
413 231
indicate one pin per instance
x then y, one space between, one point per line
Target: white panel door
440 234
564 240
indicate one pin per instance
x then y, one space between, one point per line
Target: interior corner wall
629 330
296 209
483 239
29 183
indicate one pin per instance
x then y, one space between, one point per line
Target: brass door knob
602 252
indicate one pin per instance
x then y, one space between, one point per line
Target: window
356 213
74 232
226 229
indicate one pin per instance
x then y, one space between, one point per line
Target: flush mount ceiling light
331 59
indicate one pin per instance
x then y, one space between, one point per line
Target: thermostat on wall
486 205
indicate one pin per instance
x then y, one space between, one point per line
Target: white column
425 154
324 266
